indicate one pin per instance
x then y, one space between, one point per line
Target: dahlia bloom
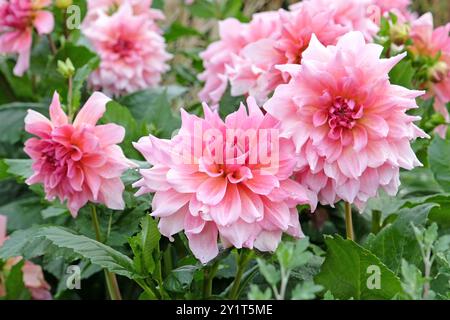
33 277
254 71
219 56
132 53
354 15
430 42
396 6
17 20
139 7
349 124
79 161
227 179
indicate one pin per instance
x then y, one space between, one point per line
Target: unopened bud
66 69
63 4
399 33
438 72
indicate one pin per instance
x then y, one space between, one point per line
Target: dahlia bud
438 72
66 69
399 33
63 4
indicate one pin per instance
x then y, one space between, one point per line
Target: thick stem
111 280
349 221
209 274
243 260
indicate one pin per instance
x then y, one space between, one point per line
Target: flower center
343 113
123 47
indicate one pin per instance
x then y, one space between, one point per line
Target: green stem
376 221
111 280
69 99
209 274
349 222
243 260
52 45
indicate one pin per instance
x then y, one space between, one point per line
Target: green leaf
20 168
255 293
397 240
144 244
402 74
118 114
81 75
177 31
229 104
270 273
306 291
15 287
12 130
346 272
25 243
21 86
439 155
180 279
153 107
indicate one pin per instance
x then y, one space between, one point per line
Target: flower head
33 277
348 122
79 161
227 179
132 52
17 20
354 15
139 7
434 43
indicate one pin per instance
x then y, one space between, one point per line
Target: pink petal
44 22
57 115
92 111
168 202
229 210
168 226
212 190
268 241
204 245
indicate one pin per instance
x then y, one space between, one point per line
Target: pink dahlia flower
432 43
139 7
349 124
33 277
17 20
220 55
79 161
354 15
224 179
254 71
395 6
132 53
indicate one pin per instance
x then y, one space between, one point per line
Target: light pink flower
79 161
212 180
349 124
354 15
233 37
132 53
139 7
395 6
431 43
254 71
33 277
17 20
